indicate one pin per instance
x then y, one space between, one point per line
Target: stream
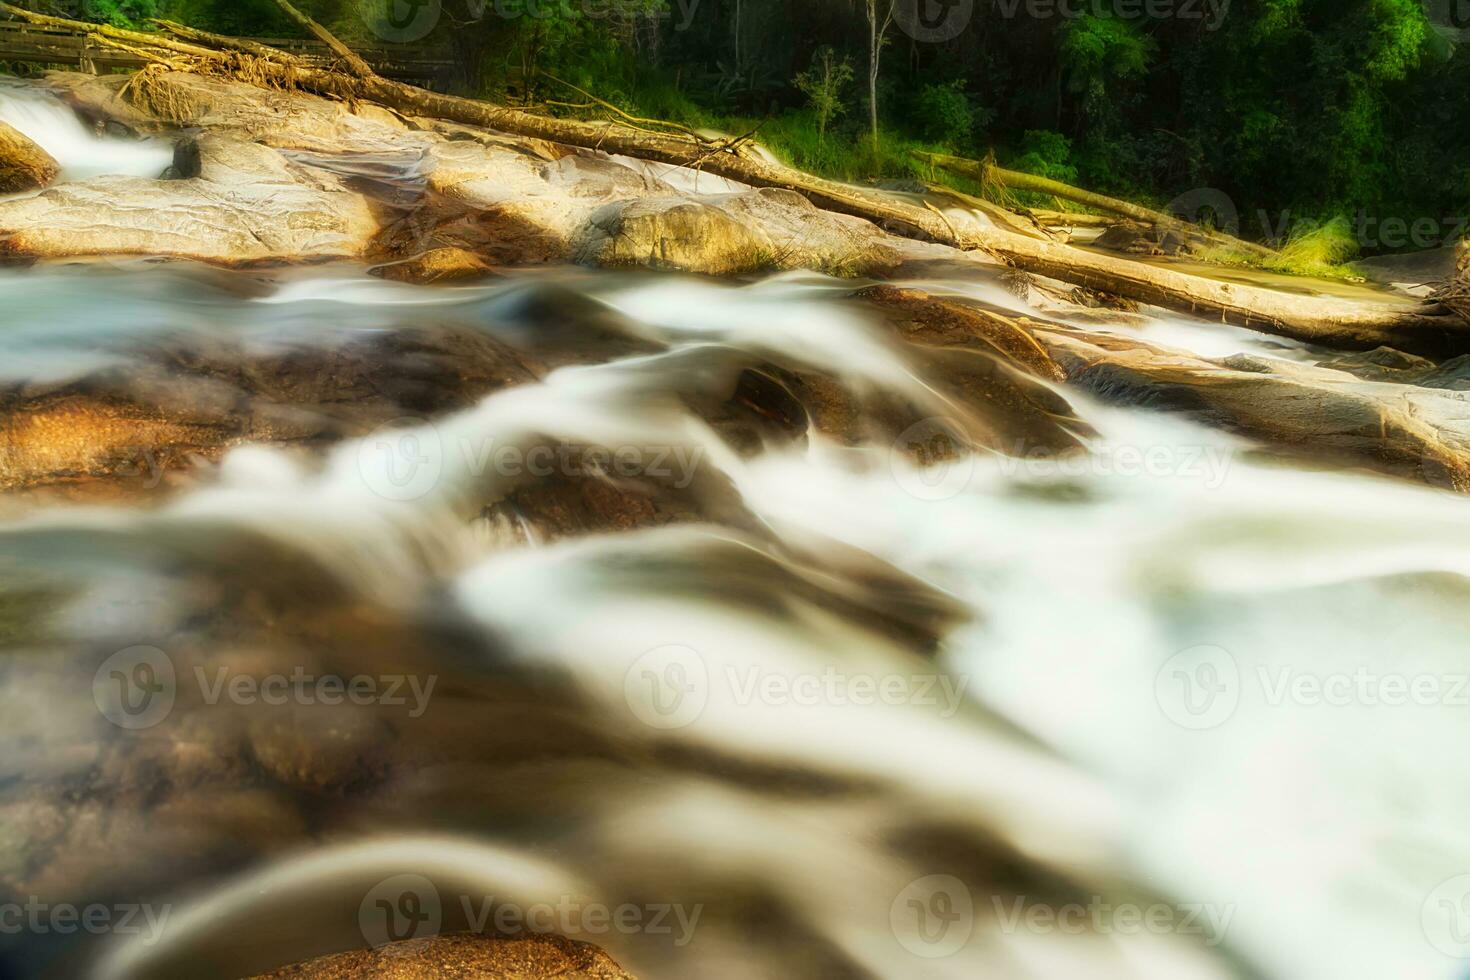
1173 707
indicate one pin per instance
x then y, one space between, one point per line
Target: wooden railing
31 44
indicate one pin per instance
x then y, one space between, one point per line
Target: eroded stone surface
248 204
24 166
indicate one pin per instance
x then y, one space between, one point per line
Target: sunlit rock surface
247 204
24 166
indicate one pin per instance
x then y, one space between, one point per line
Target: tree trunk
1016 180
1426 329
359 67
873 94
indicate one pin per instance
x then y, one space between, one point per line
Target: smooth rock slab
248 204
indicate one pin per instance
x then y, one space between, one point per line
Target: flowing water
80 152
628 649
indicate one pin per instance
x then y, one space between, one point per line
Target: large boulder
727 234
519 201
24 166
247 204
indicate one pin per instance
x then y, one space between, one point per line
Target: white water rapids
1169 709
1085 603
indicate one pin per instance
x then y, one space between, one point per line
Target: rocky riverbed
514 427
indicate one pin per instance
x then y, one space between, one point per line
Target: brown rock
933 322
437 265
24 166
464 956
1312 412
730 234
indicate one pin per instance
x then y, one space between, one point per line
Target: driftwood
1070 219
986 171
359 67
1429 329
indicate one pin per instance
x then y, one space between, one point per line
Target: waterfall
80 152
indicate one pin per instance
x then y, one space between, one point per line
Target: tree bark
1071 219
876 32
1016 180
1426 329
359 67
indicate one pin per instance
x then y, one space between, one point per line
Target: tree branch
359 67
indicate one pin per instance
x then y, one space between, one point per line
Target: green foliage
823 84
1307 107
1046 154
1095 48
1317 249
248 18
131 14
944 112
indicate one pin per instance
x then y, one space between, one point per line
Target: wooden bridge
22 43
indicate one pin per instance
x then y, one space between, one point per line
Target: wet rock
24 166
1453 374
544 957
921 318
984 366
1133 238
766 229
184 398
318 748
438 265
248 204
1381 364
1317 413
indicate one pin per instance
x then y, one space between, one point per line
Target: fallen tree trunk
1327 320
359 67
1427 329
998 215
1016 180
1070 219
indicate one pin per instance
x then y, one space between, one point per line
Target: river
1172 707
